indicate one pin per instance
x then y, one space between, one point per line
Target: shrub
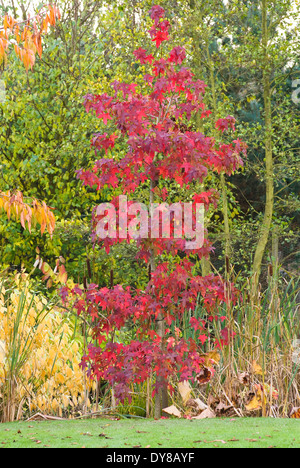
39 354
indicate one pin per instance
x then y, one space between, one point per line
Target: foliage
150 118
26 36
43 135
229 53
38 212
259 371
27 39
40 354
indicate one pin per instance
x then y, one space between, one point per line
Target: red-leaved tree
161 147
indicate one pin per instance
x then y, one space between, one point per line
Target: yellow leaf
2 351
211 359
214 356
258 400
254 405
256 368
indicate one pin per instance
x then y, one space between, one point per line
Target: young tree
153 121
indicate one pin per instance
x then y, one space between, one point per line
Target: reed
18 343
266 326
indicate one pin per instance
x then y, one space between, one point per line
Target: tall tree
153 121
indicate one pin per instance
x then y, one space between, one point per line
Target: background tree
248 52
26 39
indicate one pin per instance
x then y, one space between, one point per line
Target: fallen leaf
257 399
185 390
254 405
211 358
244 378
196 404
222 408
212 401
207 414
295 413
204 376
214 356
191 403
104 436
172 411
201 406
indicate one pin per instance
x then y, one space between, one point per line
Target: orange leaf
295 413
5 23
212 358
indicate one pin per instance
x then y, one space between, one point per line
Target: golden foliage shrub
39 357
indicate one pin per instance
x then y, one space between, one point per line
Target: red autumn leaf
160 37
156 13
141 55
177 55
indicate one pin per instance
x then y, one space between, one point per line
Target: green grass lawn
139 433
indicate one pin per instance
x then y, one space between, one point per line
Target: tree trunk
225 210
161 399
269 206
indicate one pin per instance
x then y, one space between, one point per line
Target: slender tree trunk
161 400
205 262
225 209
269 206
